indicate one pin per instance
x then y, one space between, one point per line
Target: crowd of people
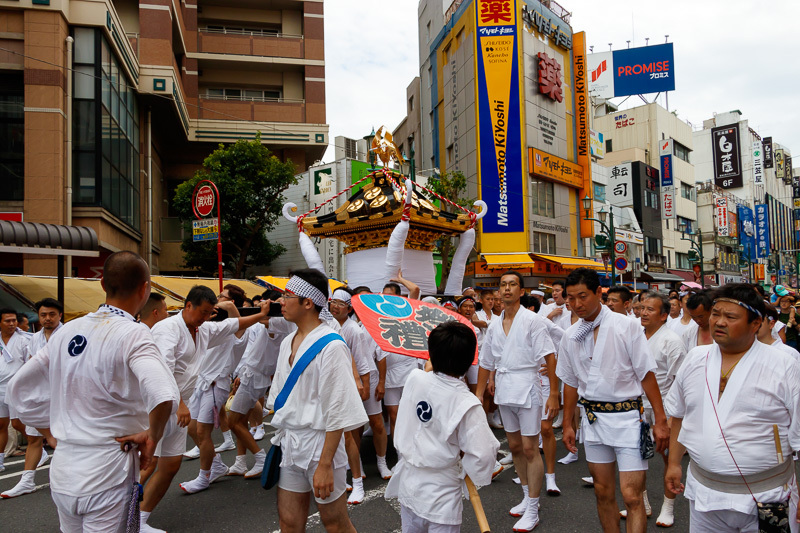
714 374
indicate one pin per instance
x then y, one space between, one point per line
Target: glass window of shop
12 137
105 130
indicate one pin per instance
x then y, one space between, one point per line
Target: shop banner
767 144
747 231
727 156
779 173
500 149
762 231
620 185
758 171
721 207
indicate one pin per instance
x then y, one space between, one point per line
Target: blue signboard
666 171
648 69
747 231
762 230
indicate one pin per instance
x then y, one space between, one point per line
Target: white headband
342 295
300 287
537 293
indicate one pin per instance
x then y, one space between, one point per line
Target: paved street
233 504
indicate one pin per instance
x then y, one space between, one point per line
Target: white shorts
372 405
295 479
203 403
31 432
472 375
5 411
722 521
392 396
173 443
545 394
104 511
412 523
526 420
245 398
628 459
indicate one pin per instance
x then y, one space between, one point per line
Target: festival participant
554 310
604 361
698 305
787 315
485 313
482 318
154 310
323 404
685 322
13 352
514 347
114 392
675 308
466 308
214 368
23 323
50 312
442 434
498 304
181 339
734 407
372 405
539 295
636 307
668 352
765 332
619 299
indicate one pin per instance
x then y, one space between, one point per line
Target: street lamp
607 232
698 248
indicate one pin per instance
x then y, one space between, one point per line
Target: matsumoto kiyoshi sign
499 129
643 70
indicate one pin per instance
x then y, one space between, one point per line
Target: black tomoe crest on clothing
424 411
77 345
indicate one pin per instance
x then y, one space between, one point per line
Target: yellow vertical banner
582 116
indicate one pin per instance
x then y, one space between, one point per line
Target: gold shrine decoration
384 147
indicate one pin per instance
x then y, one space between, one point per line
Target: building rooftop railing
558 10
251 33
253 99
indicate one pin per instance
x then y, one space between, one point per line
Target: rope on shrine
326 202
473 217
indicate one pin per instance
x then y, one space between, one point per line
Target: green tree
453 186
250 181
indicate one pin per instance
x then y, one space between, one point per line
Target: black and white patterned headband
741 303
300 287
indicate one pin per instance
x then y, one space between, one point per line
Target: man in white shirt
698 304
766 336
734 407
668 351
181 339
684 322
604 360
515 346
111 391
619 299
482 319
154 310
13 352
555 309
50 312
323 404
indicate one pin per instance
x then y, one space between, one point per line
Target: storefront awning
47 239
570 263
280 282
82 296
178 288
520 260
659 276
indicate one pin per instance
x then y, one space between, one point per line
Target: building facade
111 104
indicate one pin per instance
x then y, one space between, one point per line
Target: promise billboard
648 69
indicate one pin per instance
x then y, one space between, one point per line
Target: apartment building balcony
257 43
260 109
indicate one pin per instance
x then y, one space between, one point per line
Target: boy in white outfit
438 419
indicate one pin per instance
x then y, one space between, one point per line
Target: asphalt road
236 505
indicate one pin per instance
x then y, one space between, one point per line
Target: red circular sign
204 200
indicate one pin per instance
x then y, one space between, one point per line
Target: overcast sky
743 57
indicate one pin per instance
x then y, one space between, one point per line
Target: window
410 104
544 243
12 137
599 193
650 199
542 198
652 245
680 151
608 146
430 77
682 261
689 224
106 131
688 192
429 31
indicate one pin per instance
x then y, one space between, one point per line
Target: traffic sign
204 201
206 229
620 247
621 263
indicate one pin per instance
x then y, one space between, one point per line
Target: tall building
108 106
646 135
407 134
504 100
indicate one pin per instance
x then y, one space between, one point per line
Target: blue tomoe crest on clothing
77 345
424 411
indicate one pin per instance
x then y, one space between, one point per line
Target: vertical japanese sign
721 209
787 167
324 186
582 115
758 170
762 230
747 231
665 154
767 145
726 156
620 186
499 126
779 173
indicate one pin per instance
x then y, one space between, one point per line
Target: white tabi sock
228 437
143 517
521 507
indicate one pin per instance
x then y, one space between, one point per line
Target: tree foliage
453 186
250 181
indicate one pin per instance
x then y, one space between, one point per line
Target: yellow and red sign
554 168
